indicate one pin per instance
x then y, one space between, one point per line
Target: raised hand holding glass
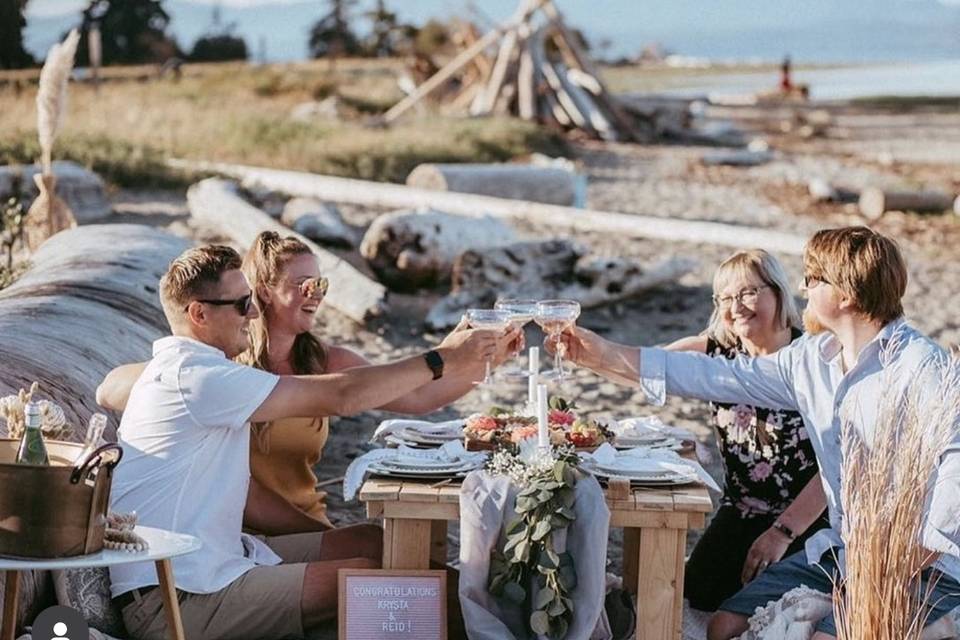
554 316
496 320
521 312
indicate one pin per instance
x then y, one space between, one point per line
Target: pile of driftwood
535 68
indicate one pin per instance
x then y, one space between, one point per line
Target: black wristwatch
784 529
435 362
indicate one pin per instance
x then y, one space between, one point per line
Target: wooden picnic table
655 522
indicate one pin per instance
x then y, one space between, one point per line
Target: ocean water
932 78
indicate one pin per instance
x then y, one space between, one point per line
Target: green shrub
117 161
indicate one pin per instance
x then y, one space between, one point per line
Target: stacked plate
651 440
642 471
425 465
426 436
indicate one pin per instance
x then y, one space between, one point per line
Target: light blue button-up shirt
807 376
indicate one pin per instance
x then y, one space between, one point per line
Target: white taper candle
534 379
543 436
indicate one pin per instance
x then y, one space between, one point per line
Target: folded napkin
393 427
668 460
357 471
646 425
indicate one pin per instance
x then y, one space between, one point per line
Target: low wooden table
163 545
655 524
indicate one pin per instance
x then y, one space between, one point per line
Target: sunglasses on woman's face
314 288
241 305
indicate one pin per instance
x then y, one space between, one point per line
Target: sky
813 30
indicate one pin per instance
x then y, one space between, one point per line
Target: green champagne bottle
32 450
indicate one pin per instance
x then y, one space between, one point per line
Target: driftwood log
319 221
409 250
543 270
557 218
549 185
217 203
875 202
88 303
822 191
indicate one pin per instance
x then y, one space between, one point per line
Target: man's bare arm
114 391
359 389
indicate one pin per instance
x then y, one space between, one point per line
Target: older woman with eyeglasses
773 499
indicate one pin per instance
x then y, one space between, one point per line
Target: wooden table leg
660 583
11 594
406 543
170 604
631 557
438 542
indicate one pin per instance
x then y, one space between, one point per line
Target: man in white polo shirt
186 441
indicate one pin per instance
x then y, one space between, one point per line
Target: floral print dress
767 455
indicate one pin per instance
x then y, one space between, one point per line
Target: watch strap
784 529
435 362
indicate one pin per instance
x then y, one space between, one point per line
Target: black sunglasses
242 304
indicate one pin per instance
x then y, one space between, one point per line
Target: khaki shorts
262 604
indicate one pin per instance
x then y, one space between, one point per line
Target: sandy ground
860 149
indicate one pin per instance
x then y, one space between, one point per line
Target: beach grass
241 113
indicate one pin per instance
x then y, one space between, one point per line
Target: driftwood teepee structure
555 85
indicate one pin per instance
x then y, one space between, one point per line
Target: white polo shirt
186 462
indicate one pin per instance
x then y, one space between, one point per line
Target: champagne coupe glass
554 316
494 319
521 312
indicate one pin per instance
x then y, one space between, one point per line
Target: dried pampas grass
52 96
887 484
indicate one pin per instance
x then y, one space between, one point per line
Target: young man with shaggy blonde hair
854 279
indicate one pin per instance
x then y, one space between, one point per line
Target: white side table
164 545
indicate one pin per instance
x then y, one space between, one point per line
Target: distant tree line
136 32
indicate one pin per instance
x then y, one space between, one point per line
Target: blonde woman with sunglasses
288 286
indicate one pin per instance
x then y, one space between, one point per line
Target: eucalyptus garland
544 507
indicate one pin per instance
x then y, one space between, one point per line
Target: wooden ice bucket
58 510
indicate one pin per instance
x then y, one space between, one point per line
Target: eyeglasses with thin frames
747 297
241 305
809 282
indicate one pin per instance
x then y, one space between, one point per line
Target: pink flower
754 505
522 433
743 416
561 418
761 471
482 423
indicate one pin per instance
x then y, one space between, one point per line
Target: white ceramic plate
436 465
415 434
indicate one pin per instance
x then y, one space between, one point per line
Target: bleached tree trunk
547 270
875 202
549 185
557 218
87 304
409 250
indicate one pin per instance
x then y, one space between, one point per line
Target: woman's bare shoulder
340 358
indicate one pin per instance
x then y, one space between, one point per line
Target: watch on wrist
784 529
435 362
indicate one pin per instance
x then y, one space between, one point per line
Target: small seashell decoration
53 420
120 535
